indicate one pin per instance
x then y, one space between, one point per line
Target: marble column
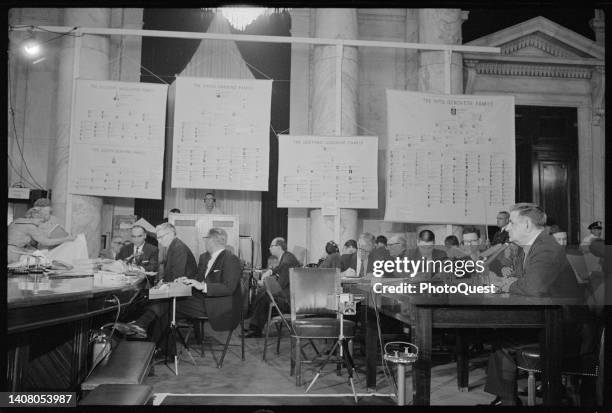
85 211
335 24
440 26
598 136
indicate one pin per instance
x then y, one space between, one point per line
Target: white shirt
359 264
211 261
588 240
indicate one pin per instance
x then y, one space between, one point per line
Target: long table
48 326
423 312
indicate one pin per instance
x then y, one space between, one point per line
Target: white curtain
221 59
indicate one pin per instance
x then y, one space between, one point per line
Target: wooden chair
313 291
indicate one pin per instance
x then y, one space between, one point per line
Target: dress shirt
209 265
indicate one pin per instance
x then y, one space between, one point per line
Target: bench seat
129 363
118 395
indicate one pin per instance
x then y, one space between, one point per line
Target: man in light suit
545 273
216 286
139 252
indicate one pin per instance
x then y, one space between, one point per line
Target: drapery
221 59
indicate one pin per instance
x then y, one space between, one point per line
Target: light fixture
31 46
241 17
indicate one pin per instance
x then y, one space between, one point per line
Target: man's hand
193 283
503 283
265 274
348 273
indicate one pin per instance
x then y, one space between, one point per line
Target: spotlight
32 48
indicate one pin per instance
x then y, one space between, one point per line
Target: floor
271 378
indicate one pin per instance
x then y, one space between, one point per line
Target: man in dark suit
139 252
426 247
286 260
216 286
361 262
545 273
180 262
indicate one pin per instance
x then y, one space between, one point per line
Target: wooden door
547 165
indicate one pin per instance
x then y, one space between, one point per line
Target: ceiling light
241 17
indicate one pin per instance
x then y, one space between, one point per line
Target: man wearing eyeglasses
210 204
180 262
286 260
139 252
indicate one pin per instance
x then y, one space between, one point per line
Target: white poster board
117 139
331 172
450 158
221 134
192 228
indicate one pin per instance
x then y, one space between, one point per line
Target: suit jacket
287 261
149 259
546 271
331 261
377 254
223 298
180 261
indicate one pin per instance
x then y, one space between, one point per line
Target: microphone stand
345 355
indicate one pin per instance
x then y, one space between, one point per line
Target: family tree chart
117 139
317 171
220 133
451 158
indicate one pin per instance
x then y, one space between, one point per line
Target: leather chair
198 323
278 321
528 359
313 291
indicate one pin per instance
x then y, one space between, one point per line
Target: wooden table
423 312
49 325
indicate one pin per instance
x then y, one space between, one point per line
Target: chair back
313 290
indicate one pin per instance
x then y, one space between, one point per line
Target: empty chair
313 291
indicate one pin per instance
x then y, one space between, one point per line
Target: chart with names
314 171
450 158
117 139
221 133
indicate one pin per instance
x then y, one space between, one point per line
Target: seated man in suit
545 273
286 260
361 262
426 249
139 252
180 262
216 286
